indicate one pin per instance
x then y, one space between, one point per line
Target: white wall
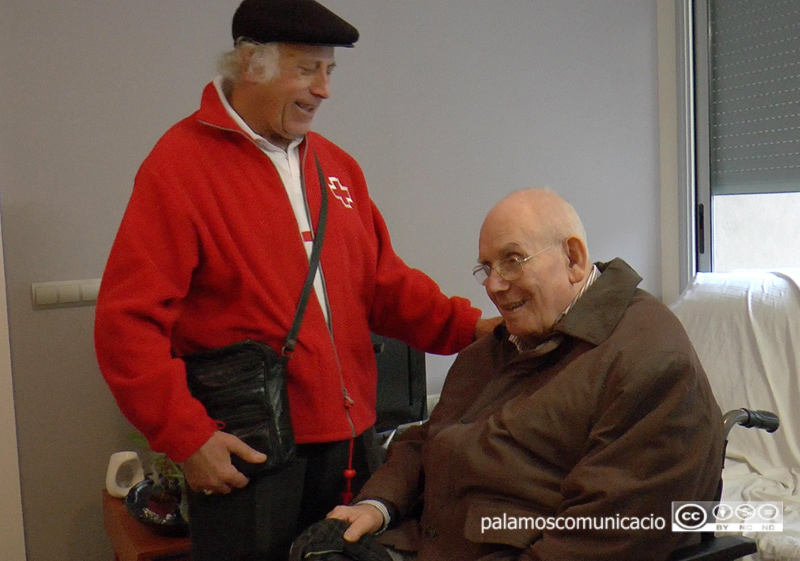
447 104
464 106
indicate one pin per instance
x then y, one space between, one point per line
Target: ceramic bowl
158 506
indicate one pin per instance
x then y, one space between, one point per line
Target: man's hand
209 470
363 519
485 326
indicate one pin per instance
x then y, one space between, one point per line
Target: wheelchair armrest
385 438
750 418
723 548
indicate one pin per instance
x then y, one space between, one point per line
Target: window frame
689 187
677 146
700 31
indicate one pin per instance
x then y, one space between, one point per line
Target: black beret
291 21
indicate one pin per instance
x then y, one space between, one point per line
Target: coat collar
595 315
212 112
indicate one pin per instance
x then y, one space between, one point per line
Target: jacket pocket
500 522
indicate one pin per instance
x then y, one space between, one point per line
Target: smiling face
519 226
281 109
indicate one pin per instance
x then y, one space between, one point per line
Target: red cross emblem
340 192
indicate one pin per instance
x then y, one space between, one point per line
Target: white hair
259 60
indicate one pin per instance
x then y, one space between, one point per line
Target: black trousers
260 521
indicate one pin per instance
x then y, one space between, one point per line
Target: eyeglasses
509 269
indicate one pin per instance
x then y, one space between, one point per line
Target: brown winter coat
614 419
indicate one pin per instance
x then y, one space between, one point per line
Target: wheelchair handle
765 420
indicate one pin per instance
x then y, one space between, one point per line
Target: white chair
745 327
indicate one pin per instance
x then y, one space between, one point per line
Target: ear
248 75
578 256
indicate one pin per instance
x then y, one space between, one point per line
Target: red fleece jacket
209 253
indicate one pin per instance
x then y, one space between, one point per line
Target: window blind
754 95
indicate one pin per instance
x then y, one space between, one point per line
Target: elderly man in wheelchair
564 435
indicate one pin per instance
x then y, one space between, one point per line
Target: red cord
349 474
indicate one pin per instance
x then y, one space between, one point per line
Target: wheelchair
728 548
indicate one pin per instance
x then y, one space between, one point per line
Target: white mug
124 471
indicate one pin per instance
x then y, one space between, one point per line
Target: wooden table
134 541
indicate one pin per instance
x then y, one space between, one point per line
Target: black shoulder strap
313 264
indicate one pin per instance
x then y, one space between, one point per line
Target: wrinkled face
287 103
531 304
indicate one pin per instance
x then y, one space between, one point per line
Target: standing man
214 248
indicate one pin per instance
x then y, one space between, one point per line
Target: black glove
324 541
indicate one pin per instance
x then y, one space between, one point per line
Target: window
747 133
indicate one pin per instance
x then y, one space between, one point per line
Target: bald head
540 214
535 245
